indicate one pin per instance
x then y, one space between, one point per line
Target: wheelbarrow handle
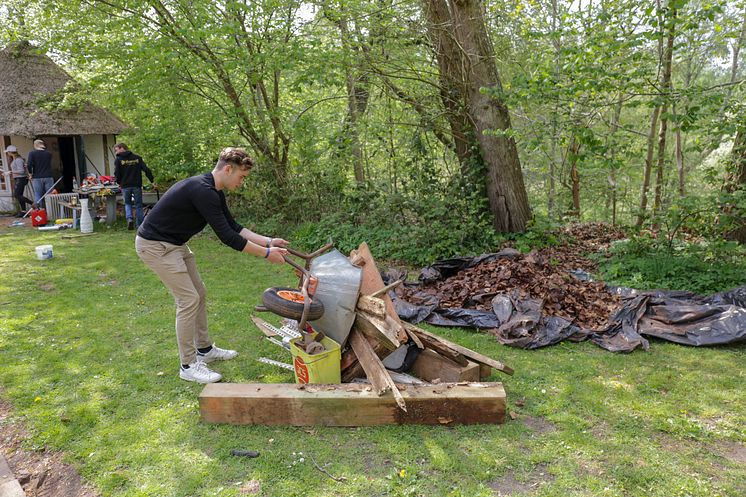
296 265
310 256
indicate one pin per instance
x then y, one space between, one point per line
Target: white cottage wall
94 151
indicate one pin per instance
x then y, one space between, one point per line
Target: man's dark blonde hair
236 156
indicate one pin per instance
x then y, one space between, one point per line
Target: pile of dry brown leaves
543 275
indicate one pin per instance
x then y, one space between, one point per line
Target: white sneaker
216 354
199 372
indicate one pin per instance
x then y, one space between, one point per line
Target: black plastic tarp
676 316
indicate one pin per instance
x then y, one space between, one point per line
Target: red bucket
38 217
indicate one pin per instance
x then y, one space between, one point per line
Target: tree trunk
613 184
667 87
467 65
648 167
737 44
574 176
557 44
356 81
680 163
736 180
661 164
451 76
641 213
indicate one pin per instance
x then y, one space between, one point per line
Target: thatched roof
29 84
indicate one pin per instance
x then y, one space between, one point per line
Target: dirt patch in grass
601 430
735 451
538 424
509 485
6 221
40 473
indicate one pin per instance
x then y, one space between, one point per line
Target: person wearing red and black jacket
128 169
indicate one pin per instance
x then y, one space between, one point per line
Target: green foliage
644 263
541 233
409 229
684 251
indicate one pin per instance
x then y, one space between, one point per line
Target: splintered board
350 404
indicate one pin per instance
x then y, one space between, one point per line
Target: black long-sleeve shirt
128 169
186 208
39 164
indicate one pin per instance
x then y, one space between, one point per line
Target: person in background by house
40 170
20 178
161 243
128 169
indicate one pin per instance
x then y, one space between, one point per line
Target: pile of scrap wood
445 385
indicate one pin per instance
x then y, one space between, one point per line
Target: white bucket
44 252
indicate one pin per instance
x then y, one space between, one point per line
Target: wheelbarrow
298 303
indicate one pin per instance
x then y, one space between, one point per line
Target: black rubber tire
288 309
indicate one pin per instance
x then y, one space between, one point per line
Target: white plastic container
44 252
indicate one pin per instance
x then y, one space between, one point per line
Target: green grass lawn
88 360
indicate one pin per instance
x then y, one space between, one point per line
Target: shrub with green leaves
704 268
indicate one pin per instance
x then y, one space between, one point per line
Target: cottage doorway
67 162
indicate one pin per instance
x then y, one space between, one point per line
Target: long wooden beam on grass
351 404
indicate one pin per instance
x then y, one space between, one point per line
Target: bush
703 267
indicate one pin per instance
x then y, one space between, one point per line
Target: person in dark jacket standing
161 243
128 169
40 170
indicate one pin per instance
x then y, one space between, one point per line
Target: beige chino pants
177 269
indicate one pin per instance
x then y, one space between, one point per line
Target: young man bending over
161 243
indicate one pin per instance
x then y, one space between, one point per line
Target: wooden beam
377 329
372 282
385 290
431 366
415 339
356 258
351 367
470 354
484 372
374 369
431 342
350 404
372 305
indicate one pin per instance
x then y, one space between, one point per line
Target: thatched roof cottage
79 136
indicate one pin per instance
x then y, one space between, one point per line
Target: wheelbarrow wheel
288 303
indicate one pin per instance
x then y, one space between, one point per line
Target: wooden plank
356 258
350 404
470 354
351 367
374 369
432 366
372 305
484 372
378 330
441 348
385 290
415 339
372 282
